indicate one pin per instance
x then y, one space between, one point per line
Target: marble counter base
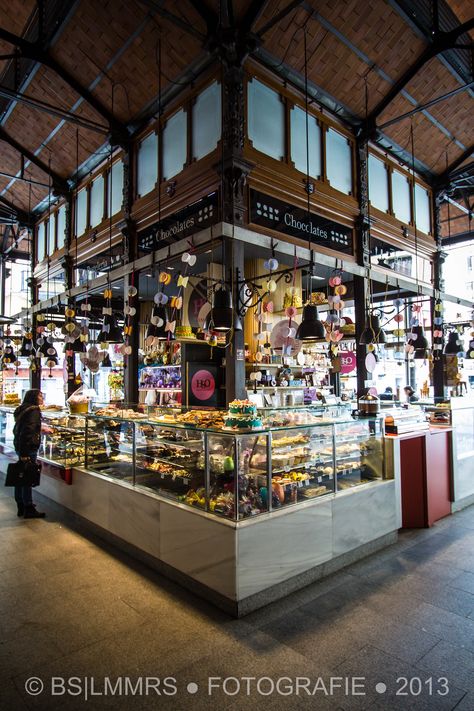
237 567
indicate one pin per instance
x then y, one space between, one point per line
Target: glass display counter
7 423
462 422
210 468
62 439
230 511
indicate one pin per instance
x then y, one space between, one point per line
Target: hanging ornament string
189 259
308 184
290 311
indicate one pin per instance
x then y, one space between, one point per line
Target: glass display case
462 420
62 439
62 443
7 423
191 458
358 453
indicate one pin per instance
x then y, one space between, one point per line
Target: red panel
438 475
412 456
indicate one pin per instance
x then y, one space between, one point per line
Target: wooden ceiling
98 61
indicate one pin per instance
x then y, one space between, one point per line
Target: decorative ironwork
251 292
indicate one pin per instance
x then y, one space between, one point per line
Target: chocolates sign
191 219
290 220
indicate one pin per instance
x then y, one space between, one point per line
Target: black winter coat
27 430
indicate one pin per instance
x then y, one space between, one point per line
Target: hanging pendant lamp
111 333
419 343
311 328
454 344
372 333
26 349
222 311
106 362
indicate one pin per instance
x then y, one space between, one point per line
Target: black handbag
23 473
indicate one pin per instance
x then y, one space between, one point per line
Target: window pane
147 164
422 209
97 201
378 184
298 142
174 145
339 161
266 120
115 190
61 221
51 231
40 242
207 121
401 196
81 212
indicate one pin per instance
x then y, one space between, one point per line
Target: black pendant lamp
26 349
48 350
372 333
112 334
311 328
420 343
454 344
78 346
222 311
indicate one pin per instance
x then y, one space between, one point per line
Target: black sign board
282 217
191 219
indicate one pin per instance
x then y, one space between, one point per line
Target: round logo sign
203 385
348 361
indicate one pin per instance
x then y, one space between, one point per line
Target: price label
320 478
300 484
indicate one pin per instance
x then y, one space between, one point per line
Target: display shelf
283 387
159 390
160 367
303 465
168 460
194 340
281 365
202 478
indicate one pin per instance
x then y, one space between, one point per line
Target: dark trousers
24 494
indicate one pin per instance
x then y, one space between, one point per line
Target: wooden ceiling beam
254 12
182 24
60 185
210 18
447 174
23 217
441 43
34 51
278 17
52 110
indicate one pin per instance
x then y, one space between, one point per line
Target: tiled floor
72 606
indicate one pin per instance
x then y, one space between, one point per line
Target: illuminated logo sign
203 385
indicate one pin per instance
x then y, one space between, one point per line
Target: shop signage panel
290 220
202 384
181 224
348 361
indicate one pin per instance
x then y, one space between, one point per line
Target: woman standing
26 440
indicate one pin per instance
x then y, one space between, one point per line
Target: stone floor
74 611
